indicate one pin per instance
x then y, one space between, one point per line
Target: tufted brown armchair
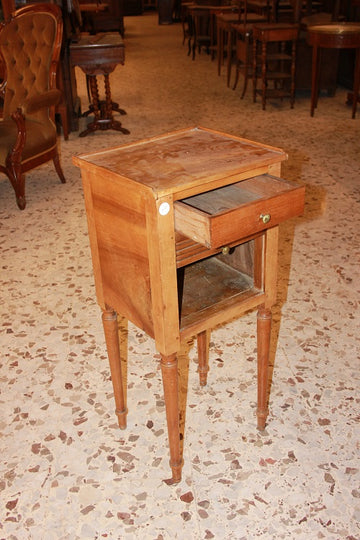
30 44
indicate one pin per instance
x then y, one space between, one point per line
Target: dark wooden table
333 36
99 55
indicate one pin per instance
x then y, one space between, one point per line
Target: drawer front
228 214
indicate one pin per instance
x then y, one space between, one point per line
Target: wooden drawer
222 216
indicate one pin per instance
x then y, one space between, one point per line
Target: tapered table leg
230 41
263 74
263 349
169 372
293 66
254 74
356 82
314 79
220 47
203 357
110 323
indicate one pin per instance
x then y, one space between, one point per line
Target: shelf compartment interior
223 279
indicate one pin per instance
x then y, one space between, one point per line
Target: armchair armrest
42 101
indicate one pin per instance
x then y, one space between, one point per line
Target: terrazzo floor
67 472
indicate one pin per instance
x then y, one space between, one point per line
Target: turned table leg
110 323
94 107
95 96
203 357
293 70
108 102
220 44
102 110
230 39
356 82
109 107
315 68
254 74
263 349
263 74
169 370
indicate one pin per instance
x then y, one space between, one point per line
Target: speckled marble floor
67 471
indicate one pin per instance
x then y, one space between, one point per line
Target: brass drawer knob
225 250
265 218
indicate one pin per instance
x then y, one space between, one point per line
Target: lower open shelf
209 287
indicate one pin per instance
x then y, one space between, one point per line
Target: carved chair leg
236 74
110 323
21 201
203 356
263 348
56 161
17 179
246 75
169 370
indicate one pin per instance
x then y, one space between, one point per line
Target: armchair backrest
30 43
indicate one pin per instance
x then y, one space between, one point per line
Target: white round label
164 208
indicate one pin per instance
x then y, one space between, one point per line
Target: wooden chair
187 24
30 43
200 25
242 33
274 58
241 41
224 22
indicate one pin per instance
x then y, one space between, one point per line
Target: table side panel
119 238
86 177
91 56
335 36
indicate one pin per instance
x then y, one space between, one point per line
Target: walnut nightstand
184 236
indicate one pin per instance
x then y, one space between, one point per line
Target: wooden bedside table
184 233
